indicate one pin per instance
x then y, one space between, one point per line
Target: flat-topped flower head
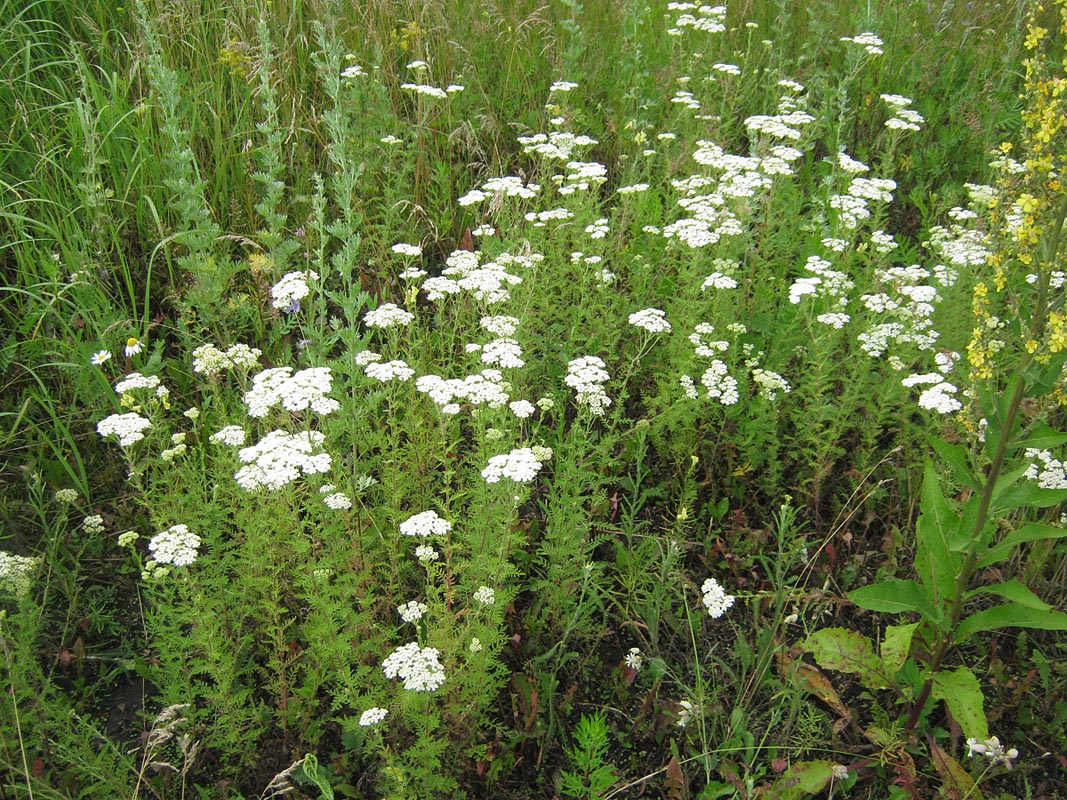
177 545
417 666
279 458
388 315
129 428
425 524
653 320
293 391
520 465
372 716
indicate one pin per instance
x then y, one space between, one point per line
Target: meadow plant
448 458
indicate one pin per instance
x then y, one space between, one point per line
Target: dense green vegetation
528 398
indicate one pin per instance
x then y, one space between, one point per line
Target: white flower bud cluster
16 571
209 360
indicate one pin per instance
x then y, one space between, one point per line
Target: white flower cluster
586 375
279 458
16 572
425 554
372 716
503 352
129 427
432 91
555 145
485 595
653 320
389 371
909 306
939 394
333 499
209 360
135 381
852 207
520 465
232 435
424 524
176 545
504 187
1046 471
769 384
409 250
903 118
485 388
297 391
823 282
868 41
720 384
709 19
388 315
412 611
716 600
961 247
291 289
418 667
582 176
488 283
500 325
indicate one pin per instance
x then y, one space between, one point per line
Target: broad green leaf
1045 376
963 695
802 779
956 455
1004 485
848 651
960 538
896 645
1014 591
895 596
1027 533
1043 437
935 561
1011 615
1029 494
